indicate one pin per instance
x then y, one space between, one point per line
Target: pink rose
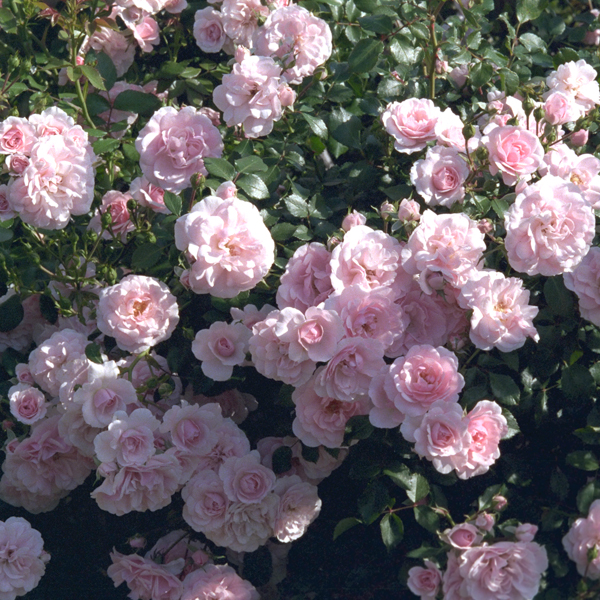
425 582
208 30
577 79
299 506
206 502
462 536
583 538
383 413
240 19
146 33
561 108
139 312
16 136
584 282
115 45
353 219
115 203
217 582
549 228
228 244
27 404
174 143
411 123
409 210
147 194
245 479
485 521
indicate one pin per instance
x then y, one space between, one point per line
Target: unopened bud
468 131
387 210
539 113
499 502
106 219
137 542
528 105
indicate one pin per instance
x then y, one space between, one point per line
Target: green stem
81 97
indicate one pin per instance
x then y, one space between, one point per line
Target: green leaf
106 68
137 102
528 10
480 74
106 145
588 434
282 460
513 426
250 164
427 518
130 152
11 313
505 389
404 51
219 167
93 76
93 353
96 104
509 80
368 6
372 502
283 231
365 55
587 494
146 256
577 382
343 526
48 309
400 474
419 488
392 530
583 459
316 124
559 484
254 186
345 127
377 23
297 206
558 297
173 202
358 427
532 42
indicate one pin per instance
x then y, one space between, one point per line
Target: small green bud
106 219
539 113
131 205
468 131
197 181
528 105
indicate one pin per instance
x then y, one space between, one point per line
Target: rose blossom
462 536
299 506
27 404
409 210
208 30
240 19
146 33
139 312
146 579
583 539
245 479
440 176
228 244
577 79
115 45
353 219
411 123
220 348
217 582
425 375
425 582
383 413
253 95
174 143
485 521
307 278
561 108
6 212
549 228
584 282
147 194
22 558
299 39
115 203
205 501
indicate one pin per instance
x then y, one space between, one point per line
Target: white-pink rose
581 539
27 404
425 582
208 30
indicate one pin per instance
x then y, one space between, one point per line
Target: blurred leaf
392 530
282 460
93 353
11 313
106 68
372 502
365 55
528 10
505 390
146 256
577 382
377 23
587 494
345 127
137 102
343 526
583 459
105 145
48 309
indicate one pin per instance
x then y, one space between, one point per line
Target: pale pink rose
23 560
231 441
299 506
17 136
245 479
512 569
175 6
172 551
462 536
228 245
352 220
250 315
450 245
319 334
227 190
578 79
23 374
561 108
549 228
240 19
6 211
424 376
425 582
300 40
525 532
193 428
217 582
440 176
19 496
140 487
27 330
50 363
371 314
448 130
145 579
584 282
348 374
409 210
411 123
234 404
307 278
208 30
220 348
247 526
271 354
16 164
513 151
383 413
250 96
115 45
459 75
583 538
579 138
146 33
129 439
485 521
27 404
502 317
205 501
115 203
74 429
174 143
139 312
368 258
322 420
486 426
57 183
442 436
148 194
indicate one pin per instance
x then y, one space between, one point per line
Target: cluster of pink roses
483 569
51 164
582 543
